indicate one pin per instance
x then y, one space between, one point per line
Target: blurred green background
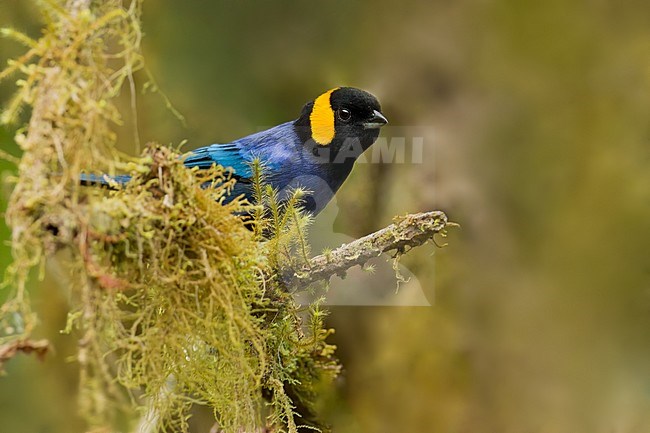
536 124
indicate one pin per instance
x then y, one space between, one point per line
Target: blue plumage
294 153
103 179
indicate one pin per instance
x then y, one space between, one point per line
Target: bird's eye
344 114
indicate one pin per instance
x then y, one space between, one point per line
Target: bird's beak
377 120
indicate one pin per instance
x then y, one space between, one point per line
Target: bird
315 152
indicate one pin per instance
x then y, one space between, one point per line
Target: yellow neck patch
321 119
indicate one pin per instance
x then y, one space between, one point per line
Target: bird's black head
342 120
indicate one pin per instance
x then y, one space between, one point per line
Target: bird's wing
226 155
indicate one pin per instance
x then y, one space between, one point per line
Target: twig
9 350
408 232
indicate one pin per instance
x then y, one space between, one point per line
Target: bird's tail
104 180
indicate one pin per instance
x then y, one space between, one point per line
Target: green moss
176 300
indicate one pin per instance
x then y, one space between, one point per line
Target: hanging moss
176 295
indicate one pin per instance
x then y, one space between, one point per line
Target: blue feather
274 147
103 179
227 155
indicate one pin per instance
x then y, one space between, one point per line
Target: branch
9 350
408 232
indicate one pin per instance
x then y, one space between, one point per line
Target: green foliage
177 297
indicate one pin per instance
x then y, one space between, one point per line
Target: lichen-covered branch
407 232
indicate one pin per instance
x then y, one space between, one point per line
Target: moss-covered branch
169 293
407 232
173 299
